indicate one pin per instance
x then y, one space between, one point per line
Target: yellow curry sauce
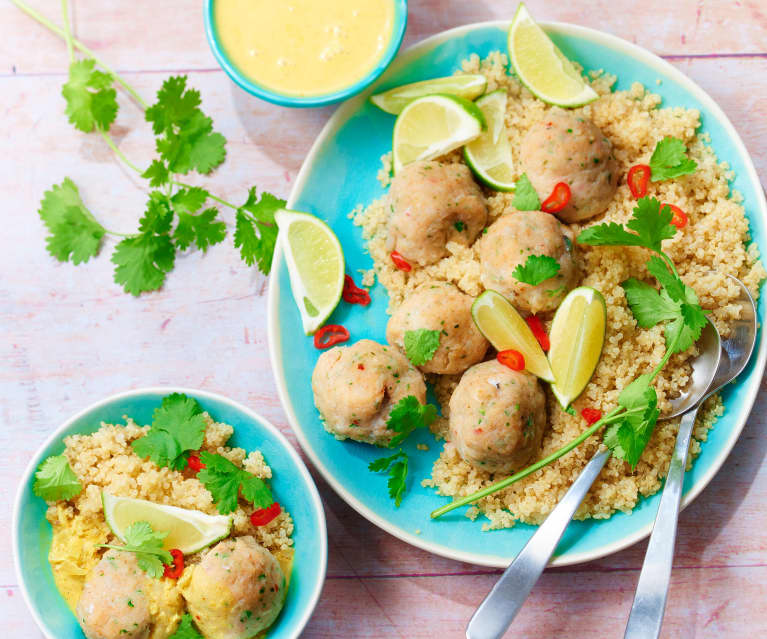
304 47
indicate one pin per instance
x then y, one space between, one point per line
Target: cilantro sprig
178 427
408 415
56 480
669 160
146 543
525 196
177 216
224 480
420 345
629 426
536 269
396 466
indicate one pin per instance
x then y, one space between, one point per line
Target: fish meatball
355 387
440 306
510 241
119 600
433 204
570 149
497 417
236 591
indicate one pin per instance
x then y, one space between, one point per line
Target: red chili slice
263 516
638 179
400 262
330 335
352 294
194 462
536 326
678 217
513 359
591 415
559 198
174 570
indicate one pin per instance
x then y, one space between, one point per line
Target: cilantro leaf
188 200
628 437
156 173
648 305
525 197
186 629
177 426
74 232
56 480
407 415
91 100
536 269
669 160
397 467
420 345
223 480
256 231
147 544
203 229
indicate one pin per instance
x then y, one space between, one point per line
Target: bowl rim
273 325
275 97
165 390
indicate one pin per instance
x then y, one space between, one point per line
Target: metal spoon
646 615
504 601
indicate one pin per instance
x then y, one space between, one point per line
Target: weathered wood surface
70 336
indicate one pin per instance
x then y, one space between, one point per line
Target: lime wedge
316 265
188 530
542 67
468 86
505 329
432 126
577 335
489 156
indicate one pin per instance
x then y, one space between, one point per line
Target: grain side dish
714 242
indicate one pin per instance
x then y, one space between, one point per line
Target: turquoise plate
291 484
340 172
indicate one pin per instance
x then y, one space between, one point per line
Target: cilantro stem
79 45
67 32
108 139
500 485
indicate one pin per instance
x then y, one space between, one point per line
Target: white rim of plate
165 390
664 69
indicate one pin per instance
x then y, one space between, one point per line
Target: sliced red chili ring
536 326
638 179
194 462
591 415
678 216
352 294
400 262
559 198
263 516
512 359
174 570
330 335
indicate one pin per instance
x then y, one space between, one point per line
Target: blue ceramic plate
340 172
291 485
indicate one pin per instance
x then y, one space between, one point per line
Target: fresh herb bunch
175 216
631 423
146 543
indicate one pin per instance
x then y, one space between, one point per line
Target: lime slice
315 263
542 67
505 329
432 126
489 156
188 530
469 87
577 335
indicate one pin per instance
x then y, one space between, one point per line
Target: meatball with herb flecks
497 417
567 148
433 204
355 388
443 309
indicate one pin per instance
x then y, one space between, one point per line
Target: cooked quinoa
104 460
715 243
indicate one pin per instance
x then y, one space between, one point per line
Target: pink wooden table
70 336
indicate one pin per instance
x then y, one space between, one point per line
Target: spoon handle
649 604
504 601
